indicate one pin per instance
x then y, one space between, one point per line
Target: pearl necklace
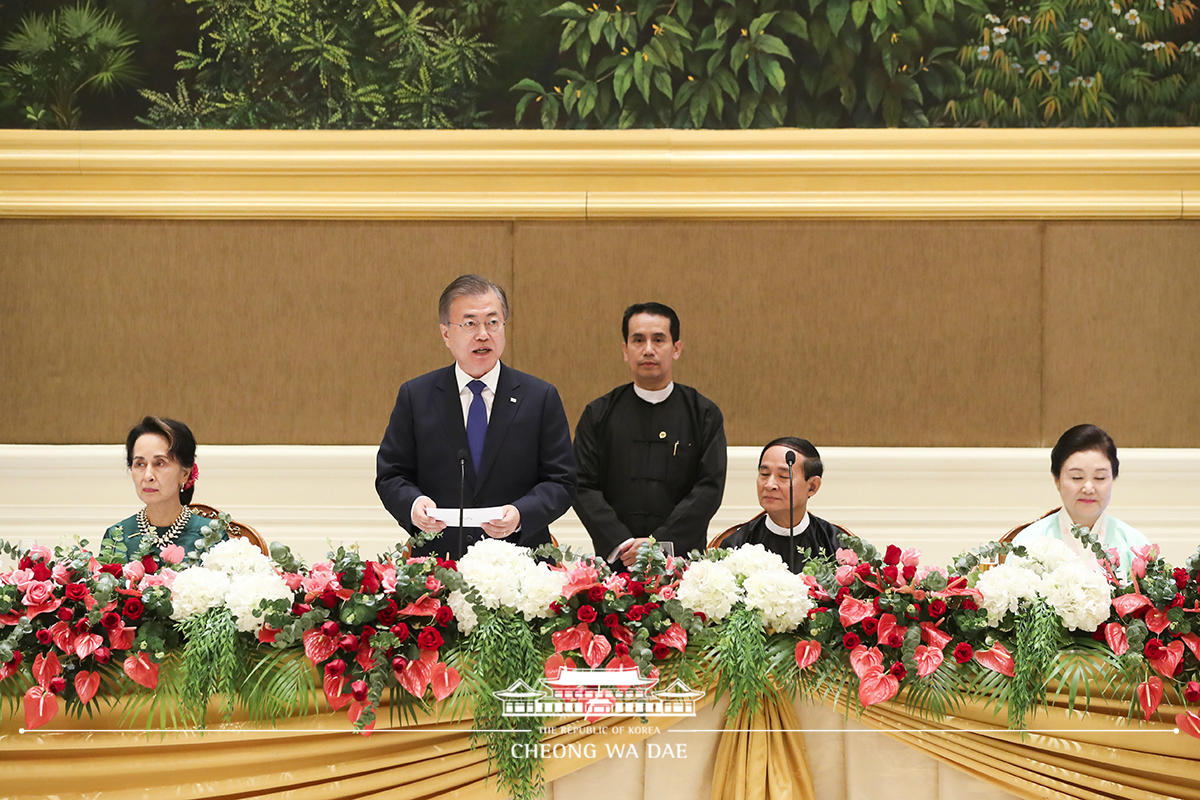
162 539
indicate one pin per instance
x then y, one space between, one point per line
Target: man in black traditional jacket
651 453
813 537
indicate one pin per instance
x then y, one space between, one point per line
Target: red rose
300 609
963 652
65 613
330 629
1181 577
110 620
621 649
661 651
1155 649
850 641
637 589
446 563
329 599
113 569
876 604
57 684
430 639
898 671
348 642
596 594
969 605
1176 601
909 572
651 607
1191 692
937 608
913 612
359 690
895 639
370 581
612 620
16 658
149 564
44 637
704 617
586 614
399 663
133 608
102 655
892 556
335 668
40 571
75 591
841 594
400 631
555 608
444 616
387 614
82 625
863 570
870 625
635 613
367 633
890 574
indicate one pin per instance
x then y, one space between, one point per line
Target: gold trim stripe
780 174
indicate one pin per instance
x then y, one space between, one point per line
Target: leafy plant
1081 62
751 63
62 56
300 64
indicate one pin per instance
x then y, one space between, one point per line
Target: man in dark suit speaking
506 430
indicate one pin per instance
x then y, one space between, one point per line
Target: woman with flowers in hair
161 456
1084 465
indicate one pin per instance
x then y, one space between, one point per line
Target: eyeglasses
471 326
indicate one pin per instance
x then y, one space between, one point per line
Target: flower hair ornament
192 476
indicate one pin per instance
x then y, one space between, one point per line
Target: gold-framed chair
239 529
1008 537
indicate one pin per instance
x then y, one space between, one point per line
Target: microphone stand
791 459
462 501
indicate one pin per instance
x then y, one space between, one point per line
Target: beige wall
851 333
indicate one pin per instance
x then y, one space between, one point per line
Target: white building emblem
596 693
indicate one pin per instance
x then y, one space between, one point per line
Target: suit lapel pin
512 399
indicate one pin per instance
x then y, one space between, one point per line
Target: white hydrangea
709 587
540 586
464 613
1044 555
196 590
1004 587
751 559
237 556
1079 594
781 596
495 568
247 591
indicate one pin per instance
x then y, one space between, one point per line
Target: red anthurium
622 634
86 684
876 686
142 670
807 652
852 611
333 685
934 636
415 677
1156 620
997 659
595 651
121 638
1193 643
317 646
571 639
555 664
1150 694
1165 665
1114 634
354 712
674 636
63 636
625 662
46 669
863 659
1127 604
267 634
10 669
85 644
443 680
887 625
40 707
1189 723
928 660
425 607
366 658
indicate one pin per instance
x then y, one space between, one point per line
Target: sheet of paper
472 517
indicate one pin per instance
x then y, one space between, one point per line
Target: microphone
462 500
790 457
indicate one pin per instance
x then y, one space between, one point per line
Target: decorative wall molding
518 174
941 500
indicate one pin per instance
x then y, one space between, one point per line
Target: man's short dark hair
812 459
653 309
469 286
1080 439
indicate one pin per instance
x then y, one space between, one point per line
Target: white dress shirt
779 530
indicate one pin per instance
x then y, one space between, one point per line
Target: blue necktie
476 423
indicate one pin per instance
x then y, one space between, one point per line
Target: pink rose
845 574
847 557
293 580
61 574
388 581
666 593
134 571
433 584
173 554
41 552
38 593
316 583
910 557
